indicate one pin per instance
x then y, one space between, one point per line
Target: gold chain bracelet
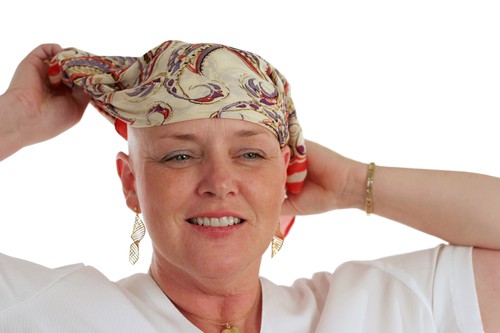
369 189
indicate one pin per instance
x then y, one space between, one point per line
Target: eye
180 157
176 157
252 155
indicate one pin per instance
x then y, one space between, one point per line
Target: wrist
369 188
355 189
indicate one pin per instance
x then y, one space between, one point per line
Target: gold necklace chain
227 327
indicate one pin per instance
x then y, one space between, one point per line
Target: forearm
10 136
461 208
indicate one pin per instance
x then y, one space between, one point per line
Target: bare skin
32 111
428 200
455 206
459 207
178 172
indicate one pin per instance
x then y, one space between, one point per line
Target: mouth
215 222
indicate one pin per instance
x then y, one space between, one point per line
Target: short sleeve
431 291
455 299
20 279
442 279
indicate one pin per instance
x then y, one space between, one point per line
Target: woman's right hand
31 110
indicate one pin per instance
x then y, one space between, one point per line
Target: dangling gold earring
137 235
277 242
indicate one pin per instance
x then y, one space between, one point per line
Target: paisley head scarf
177 81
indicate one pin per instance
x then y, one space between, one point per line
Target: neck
210 303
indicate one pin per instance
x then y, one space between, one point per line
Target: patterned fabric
177 81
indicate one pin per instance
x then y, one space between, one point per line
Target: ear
285 156
127 177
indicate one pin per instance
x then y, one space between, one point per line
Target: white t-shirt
427 291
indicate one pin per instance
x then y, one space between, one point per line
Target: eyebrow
191 137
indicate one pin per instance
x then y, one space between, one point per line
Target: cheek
267 190
161 192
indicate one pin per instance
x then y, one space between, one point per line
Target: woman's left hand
332 182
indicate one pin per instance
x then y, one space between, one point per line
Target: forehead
203 129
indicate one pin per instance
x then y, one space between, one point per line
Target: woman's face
227 175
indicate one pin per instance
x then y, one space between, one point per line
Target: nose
218 178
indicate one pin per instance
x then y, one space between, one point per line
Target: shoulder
440 281
426 289
22 279
15 265
427 274
35 296
418 271
411 273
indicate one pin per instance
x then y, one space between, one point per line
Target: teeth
215 222
223 221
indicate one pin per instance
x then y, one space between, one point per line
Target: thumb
288 208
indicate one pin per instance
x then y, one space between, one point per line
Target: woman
211 190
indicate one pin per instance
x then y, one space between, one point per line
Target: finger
45 52
36 61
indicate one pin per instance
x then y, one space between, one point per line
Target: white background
410 84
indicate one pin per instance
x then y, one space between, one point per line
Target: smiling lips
215 222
